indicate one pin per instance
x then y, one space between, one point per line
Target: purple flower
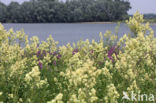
38 53
44 52
38 45
111 51
54 53
49 52
58 56
40 65
54 62
75 51
92 51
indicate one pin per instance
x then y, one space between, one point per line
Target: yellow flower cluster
136 25
85 78
112 94
1 93
18 68
137 63
57 99
34 74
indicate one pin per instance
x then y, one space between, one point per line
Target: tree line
44 11
150 16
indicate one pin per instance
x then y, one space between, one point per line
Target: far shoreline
103 22
67 23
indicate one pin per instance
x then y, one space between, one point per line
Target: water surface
68 33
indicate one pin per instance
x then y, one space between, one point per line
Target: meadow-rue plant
85 72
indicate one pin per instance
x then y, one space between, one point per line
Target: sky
143 6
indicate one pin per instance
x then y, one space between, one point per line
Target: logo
138 97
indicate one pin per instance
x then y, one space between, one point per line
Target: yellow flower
34 74
10 95
1 93
57 99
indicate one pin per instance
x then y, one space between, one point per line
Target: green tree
13 10
69 11
3 12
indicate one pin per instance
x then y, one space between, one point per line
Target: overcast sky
143 6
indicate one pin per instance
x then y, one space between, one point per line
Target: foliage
42 11
150 16
96 72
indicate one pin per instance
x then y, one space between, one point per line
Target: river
68 33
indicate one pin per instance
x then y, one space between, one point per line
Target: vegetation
42 11
150 18
96 72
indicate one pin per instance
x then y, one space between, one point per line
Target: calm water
68 33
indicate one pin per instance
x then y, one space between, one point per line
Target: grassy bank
150 20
